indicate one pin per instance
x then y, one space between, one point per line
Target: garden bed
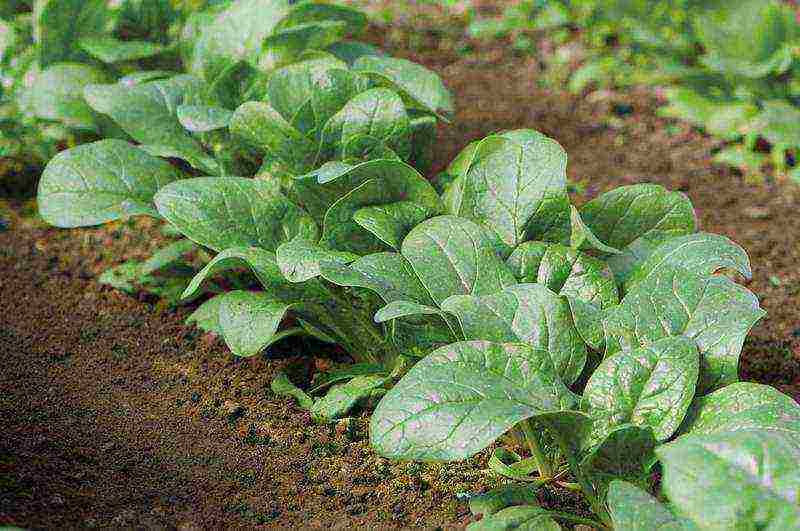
116 414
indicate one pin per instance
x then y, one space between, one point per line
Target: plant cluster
603 339
740 86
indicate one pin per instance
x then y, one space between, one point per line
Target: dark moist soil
115 414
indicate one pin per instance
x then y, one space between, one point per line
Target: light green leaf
514 184
506 496
378 114
417 85
311 11
454 256
530 517
203 118
633 509
390 223
701 253
565 271
206 316
651 386
343 398
223 212
249 321
397 309
147 111
100 182
734 480
588 320
57 94
527 313
387 274
714 312
112 50
59 25
582 236
388 181
626 213
300 259
196 159
289 45
282 386
461 397
744 406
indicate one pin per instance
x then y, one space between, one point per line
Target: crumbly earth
115 414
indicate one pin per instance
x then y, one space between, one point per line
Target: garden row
604 339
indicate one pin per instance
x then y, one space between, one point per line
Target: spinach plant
603 340
270 88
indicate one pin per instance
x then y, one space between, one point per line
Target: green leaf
565 271
495 500
352 51
147 111
514 184
236 34
203 118
60 24
633 509
343 398
346 372
582 236
778 123
282 386
100 182
460 398
262 127
123 277
454 256
701 253
196 159
206 316
733 480
527 313
300 259
388 182
714 312
588 320
58 94
397 309
626 213
626 452
112 50
530 517
378 114
634 255
417 85
168 256
223 212
387 274
390 223
289 45
249 321
744 406
651 386
311 11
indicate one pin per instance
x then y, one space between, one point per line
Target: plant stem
545 470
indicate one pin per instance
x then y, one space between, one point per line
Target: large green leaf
60 24
58 94
237 33
744 406
625 452
249 320
714 312
223 212
701 253
651 386
100 182
419 86
626 213
527 313
460 398
300 259
634 509
565 271
313 11
515 185
387 181
734 480
203 118
454 256
289 45
392 222
148 111
378 114
112 50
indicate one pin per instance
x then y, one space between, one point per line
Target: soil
115 414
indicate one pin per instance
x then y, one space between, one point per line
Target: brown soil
114 414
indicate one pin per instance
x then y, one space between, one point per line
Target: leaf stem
542 463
